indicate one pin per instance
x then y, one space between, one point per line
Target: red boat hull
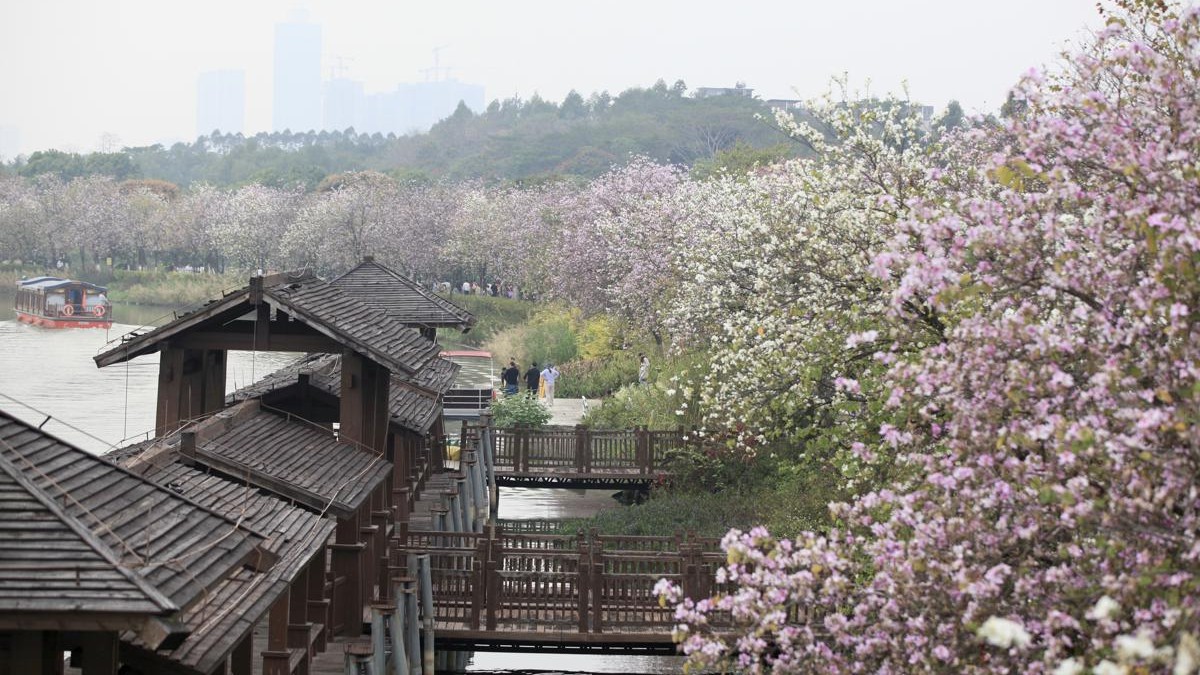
84 321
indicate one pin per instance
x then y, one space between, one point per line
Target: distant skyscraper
297 75
10 142
345 105
221 102
417 107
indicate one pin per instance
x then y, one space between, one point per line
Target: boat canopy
51 283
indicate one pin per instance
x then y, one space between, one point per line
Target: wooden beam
246 342
229 307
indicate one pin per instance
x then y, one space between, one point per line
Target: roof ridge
441 302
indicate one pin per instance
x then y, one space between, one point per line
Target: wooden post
465 504
597 589
479 584
643 450
276 656
318 604
581 462
299 629
347 563
583 582
241 661
170 388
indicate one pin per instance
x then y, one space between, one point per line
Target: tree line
512 140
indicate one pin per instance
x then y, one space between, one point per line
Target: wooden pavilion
336 437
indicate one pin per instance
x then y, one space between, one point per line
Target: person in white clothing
549 375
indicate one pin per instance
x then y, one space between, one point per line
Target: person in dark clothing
533 378
511 376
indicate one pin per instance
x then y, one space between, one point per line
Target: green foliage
513 139
635 405
596 378
548 337
519 409
492 316
741 159
598 337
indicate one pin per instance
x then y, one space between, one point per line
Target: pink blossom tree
1048 518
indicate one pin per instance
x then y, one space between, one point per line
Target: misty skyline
76 71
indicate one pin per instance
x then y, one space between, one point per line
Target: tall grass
155 287
492 316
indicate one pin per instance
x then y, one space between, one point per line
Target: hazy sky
73 70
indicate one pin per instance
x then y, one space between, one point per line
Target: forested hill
515 139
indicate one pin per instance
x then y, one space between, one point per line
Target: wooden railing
587 451
508 582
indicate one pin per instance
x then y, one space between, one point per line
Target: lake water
48 377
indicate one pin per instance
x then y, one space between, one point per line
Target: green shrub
492 316
509 411
548 337
596 378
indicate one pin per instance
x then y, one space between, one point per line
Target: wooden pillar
170 387
318 604
298 625
364 401
191 383
241 661
214 380
276 655
347 563
99 653
381 518
352 403
368 535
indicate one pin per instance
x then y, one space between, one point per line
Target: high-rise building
418 106
10 142
221 102
345 105
297 102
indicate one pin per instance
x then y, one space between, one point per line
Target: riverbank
140 287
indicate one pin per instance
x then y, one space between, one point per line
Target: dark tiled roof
321 307
176 546
367 329
50 563
414 403
402 297
232 609
295 460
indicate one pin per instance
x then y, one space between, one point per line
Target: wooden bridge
502 591
579 457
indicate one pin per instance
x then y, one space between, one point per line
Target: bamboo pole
426 581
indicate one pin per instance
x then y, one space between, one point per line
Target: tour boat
62 303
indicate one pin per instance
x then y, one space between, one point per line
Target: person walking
549 375
533 378
511 375
643 369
